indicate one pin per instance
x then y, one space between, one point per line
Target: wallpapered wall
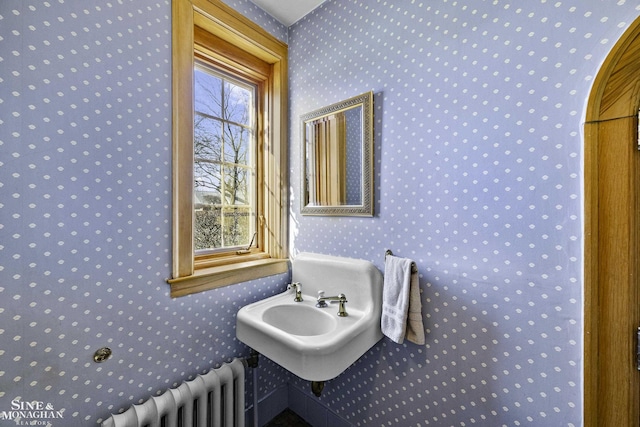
85 214
478 179
478 121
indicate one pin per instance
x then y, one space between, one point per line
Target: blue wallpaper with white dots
478 178
85 214
479 109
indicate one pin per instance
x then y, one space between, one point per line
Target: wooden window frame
212 31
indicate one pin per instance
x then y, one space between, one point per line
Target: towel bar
414 268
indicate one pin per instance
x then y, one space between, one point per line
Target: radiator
214 399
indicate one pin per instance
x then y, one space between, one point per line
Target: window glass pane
238 102
208 93
236 226
237 180
207 183
237 140
207 139
207 227
224 169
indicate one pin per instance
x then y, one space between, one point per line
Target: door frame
612 216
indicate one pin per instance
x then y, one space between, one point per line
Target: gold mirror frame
332 179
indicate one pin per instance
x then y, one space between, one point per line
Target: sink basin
315 343
283 316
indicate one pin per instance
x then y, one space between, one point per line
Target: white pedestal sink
315 343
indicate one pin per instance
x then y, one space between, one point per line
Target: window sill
219 276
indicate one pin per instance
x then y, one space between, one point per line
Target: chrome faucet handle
342 299
321 302
297 287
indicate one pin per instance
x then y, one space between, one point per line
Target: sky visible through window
224 161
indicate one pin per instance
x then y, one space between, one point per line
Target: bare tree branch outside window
224 168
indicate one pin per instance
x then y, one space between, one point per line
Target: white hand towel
401 304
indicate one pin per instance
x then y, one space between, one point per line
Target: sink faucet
297 287
341 299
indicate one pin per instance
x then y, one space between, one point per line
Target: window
229 148
224 165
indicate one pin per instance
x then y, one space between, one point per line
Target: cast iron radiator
214 399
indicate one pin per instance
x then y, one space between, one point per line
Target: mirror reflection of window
334 147
328 160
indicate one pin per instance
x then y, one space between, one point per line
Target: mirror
337 159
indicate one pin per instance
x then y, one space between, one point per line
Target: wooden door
612 239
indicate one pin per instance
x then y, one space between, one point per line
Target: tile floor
288 418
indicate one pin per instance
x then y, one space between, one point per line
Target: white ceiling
288 11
